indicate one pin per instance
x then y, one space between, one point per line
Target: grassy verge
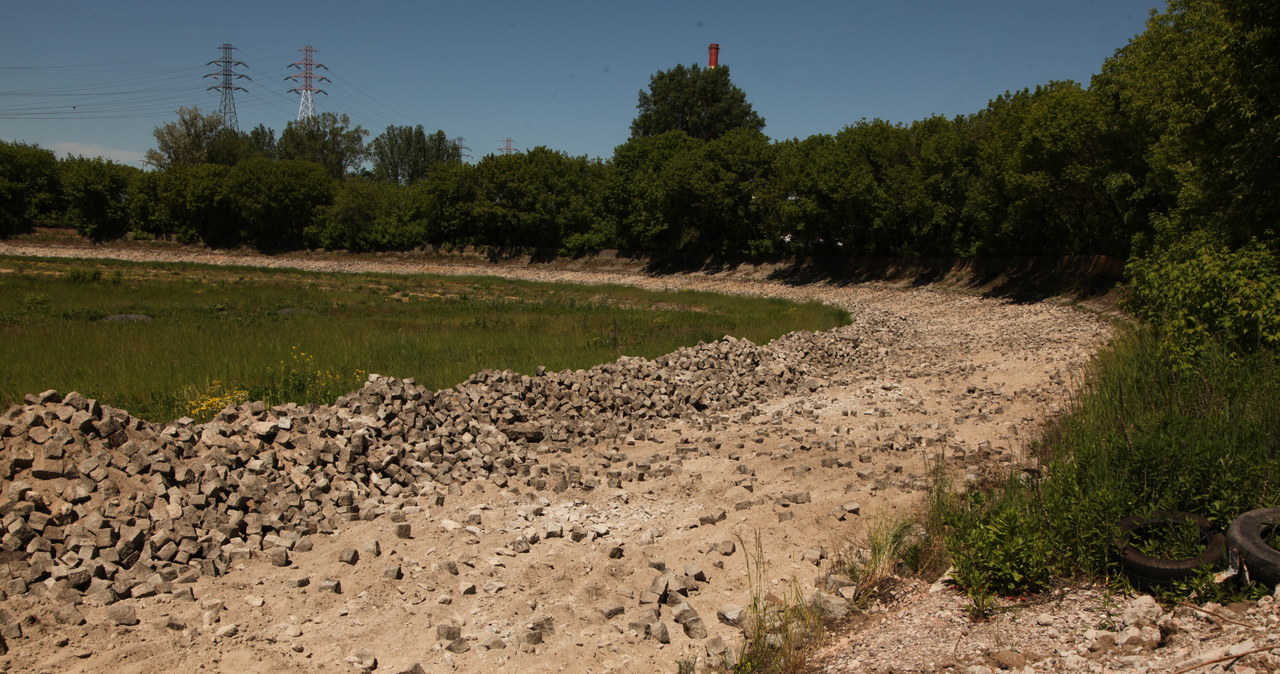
216 334
779 631
1143 436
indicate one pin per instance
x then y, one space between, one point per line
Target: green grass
1143 436
277 333
1169 540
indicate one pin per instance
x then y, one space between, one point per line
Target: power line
460 143
307 107
226 72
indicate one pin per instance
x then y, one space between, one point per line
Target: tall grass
1142 436
780 632
1149 437
227 329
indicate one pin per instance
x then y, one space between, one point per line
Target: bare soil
955 376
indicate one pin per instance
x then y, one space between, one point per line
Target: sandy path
939 374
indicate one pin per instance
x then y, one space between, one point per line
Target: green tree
370 216
537 198
447 197
652 192
97 193
275 201
186 141
1199 84
701 102
326 139
1252 181
29 185
230 147
405 154
263 140
733 207
1177 85
189 203
944 163
1048 172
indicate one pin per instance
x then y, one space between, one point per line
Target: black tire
1147 571
1249 549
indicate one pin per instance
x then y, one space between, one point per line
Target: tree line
1167 156
1036 172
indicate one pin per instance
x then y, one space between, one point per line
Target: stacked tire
1244 544
1148 571
1247 544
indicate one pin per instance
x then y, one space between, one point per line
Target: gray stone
695 572
445 632
227 631
730 614
683 612
122 614
278 556
695 628
1142 610
658 632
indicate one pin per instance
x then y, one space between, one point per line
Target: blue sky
562 74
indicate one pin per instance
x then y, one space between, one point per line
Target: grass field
214 335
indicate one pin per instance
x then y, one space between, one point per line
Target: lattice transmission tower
307 75
508 146
227 85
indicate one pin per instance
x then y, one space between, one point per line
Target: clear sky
96 78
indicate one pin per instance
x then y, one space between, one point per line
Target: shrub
999 545
96 192
1197 290
1142 437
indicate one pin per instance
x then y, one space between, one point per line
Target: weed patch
291 336
1143 436
780 631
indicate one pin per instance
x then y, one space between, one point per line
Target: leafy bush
28 185
96 192
369 216
1142 437
999 545
1196 290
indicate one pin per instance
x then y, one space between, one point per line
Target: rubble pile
102 506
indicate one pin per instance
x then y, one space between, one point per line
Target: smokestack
713 55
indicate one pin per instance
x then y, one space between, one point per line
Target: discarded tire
1146 570
1246 541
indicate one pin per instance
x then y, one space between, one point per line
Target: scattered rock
122 614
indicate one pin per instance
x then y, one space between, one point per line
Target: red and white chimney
713 55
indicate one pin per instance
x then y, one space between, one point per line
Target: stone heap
99 505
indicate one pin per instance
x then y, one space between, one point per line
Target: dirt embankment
625 548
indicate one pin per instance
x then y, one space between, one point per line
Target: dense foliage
1170 156
1181 413
701 102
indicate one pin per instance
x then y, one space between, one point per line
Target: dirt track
945 375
